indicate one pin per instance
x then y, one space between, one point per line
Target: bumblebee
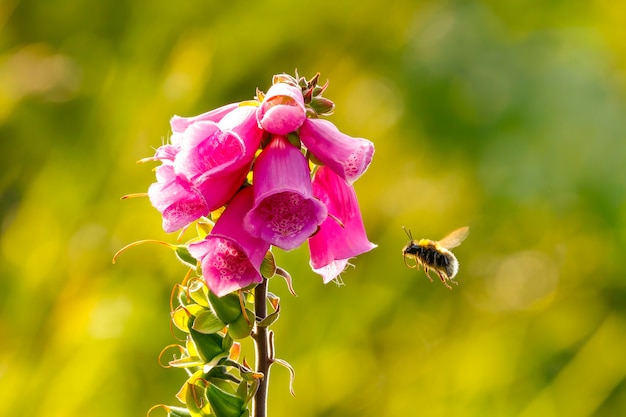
436 255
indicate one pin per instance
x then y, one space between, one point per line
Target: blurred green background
507 116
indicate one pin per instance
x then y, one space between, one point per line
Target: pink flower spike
178 201
285 211
282 111
335 243
230 257
349 157
180 124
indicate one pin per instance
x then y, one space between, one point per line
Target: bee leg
410 266
444 280
426 271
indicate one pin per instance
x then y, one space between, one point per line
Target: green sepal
226 308
187 362
199 292
209 346
182 315
193 394
268 266
204 227
311 157
183 255
322 106
224 404
227 342
294 139
273 316
242 390
220 373
269 319
241 328
207 322
177 411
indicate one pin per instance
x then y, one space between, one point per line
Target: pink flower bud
282 111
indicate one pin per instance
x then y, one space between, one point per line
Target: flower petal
230 257
178 201
349 157
285 211
180 124
206 149
335 243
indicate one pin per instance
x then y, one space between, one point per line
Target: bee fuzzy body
436 256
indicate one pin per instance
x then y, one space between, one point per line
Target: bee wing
455 238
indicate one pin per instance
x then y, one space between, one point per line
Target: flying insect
436 255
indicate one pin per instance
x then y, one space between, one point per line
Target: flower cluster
300 188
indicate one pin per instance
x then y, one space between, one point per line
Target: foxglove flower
177 199
210 162
349 157
230 257
282 110
336 243
285 211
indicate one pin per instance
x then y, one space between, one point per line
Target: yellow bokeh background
508 117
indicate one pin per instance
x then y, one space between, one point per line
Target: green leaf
183 255
223 403
227 308
207 323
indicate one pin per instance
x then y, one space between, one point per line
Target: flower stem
262 346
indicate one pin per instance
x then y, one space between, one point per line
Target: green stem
262 347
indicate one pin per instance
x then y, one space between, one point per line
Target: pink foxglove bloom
210 161
335 243
349 157
282 110
285 211
230 257
177 199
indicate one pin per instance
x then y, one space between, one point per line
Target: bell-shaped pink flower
210 162
336 243
179 202
282 110
216 157
349 157
230 257
285 211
